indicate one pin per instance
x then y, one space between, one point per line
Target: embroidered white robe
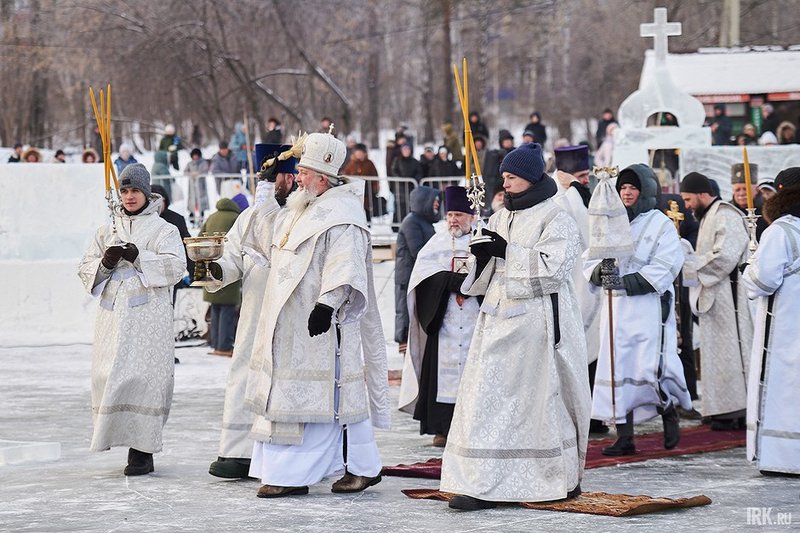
134 346
241 262
648 374
726 332
520 426
327 259
773 280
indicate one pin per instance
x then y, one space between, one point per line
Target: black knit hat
628 177
787 178
526 161
694 182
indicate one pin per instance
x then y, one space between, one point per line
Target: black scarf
538 193
700 211
134 213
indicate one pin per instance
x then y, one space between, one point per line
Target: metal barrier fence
387 201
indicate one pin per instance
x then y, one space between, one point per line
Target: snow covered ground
45 397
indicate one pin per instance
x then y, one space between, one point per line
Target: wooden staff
611 354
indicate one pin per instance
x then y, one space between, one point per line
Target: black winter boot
672 427
139 463
624 444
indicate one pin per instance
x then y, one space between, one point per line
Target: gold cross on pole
674 214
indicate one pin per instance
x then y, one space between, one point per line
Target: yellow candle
747 181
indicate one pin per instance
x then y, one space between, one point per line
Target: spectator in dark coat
537 128
478 128
274 133
16 156
606 119
442 165
721 126
416 229
771 119
406 166
426 160
491 167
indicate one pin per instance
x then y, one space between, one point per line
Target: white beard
300 199
456 232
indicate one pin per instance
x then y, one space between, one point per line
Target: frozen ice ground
45 395
45 398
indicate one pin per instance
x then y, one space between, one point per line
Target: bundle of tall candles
475 186
102 116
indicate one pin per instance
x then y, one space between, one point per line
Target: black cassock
433 294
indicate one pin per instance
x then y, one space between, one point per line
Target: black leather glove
635 284
319 321
111 256
495 248
130 252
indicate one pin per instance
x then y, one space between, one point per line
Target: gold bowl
204 249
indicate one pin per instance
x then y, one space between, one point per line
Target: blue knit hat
526 161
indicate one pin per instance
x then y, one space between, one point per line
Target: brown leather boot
274 491
351 483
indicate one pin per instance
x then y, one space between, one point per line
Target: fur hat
323 153
135 176
737 173
29 152
526 161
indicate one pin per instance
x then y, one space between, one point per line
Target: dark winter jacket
539 131
415 231
439 167
220 222
407 167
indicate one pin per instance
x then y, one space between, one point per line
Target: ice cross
660 30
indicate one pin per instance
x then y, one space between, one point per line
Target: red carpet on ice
650 446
